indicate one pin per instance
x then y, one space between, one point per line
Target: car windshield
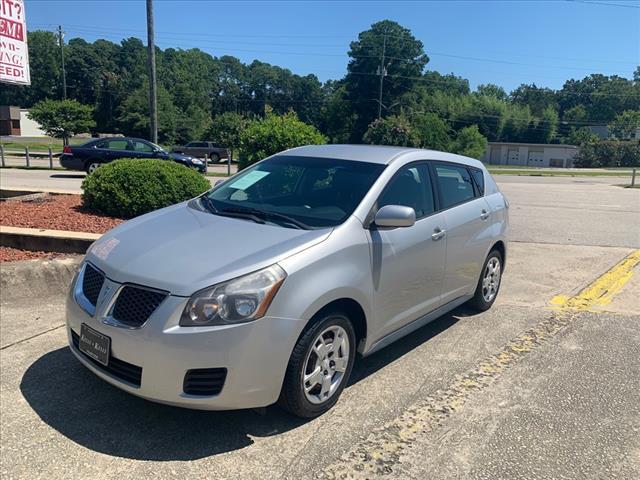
309 192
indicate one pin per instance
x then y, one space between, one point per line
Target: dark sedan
91 155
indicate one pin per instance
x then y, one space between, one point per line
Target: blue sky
505 42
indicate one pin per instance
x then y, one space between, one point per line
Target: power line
606 4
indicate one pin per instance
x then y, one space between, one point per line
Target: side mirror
395 216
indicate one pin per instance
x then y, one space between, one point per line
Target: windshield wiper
208 203
265 214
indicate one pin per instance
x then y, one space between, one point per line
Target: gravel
8 254
55 212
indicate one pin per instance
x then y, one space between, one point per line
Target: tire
309 402
215 158
488 285
91 166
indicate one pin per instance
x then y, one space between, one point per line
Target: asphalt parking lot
544 385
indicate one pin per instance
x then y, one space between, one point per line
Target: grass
41 146
558 173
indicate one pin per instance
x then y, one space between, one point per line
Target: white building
28 127
530 154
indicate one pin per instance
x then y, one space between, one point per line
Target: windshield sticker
248 180
103 249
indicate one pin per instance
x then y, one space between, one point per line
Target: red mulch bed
8 254
55 212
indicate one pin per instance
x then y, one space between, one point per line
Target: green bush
393 130
608 153
127 188
273 134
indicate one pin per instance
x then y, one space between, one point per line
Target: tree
133 117
625 124
608 153
581 136
273 134
226 129
431 131
470 142
492 90
392 130
62 118
404 61
537 98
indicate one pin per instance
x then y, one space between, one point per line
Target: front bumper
255 355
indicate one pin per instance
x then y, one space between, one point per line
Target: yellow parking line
601 291
378 454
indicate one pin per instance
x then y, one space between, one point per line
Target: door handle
484 214
438 233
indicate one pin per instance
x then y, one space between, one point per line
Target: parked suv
91 155
202 150
328 251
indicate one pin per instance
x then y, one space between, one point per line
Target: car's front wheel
319 367
215 158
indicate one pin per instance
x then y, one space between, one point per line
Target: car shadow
67 175
98 416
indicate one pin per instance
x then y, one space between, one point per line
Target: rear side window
455 185
478 178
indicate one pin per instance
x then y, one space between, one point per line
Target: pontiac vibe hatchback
264 288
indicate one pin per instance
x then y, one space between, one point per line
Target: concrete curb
37 279
36 239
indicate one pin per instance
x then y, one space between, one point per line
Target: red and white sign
14 54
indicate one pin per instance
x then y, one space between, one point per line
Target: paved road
565 406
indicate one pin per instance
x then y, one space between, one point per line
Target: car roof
381 154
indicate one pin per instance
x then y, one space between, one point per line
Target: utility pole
64 73
151 56
382 72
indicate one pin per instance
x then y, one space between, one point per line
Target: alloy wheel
326 364
491 279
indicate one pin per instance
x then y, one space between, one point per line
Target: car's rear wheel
319 367
91 166
215 158
489 282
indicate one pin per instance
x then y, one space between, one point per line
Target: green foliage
195 87
133 118
273 134
226 129
470 142
432 131
127 188
62 118
492 90
625 124
608 153
580 136
393 130
362 87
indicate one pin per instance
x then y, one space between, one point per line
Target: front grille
127 372
135 305
92 283
204 381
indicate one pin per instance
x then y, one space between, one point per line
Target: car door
142 149
408 263
468 228
118 148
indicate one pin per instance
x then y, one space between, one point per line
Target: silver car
320 252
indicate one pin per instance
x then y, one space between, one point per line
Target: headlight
240 300
196 161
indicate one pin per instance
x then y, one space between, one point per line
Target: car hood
183 250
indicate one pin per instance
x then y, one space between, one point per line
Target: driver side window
410 187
